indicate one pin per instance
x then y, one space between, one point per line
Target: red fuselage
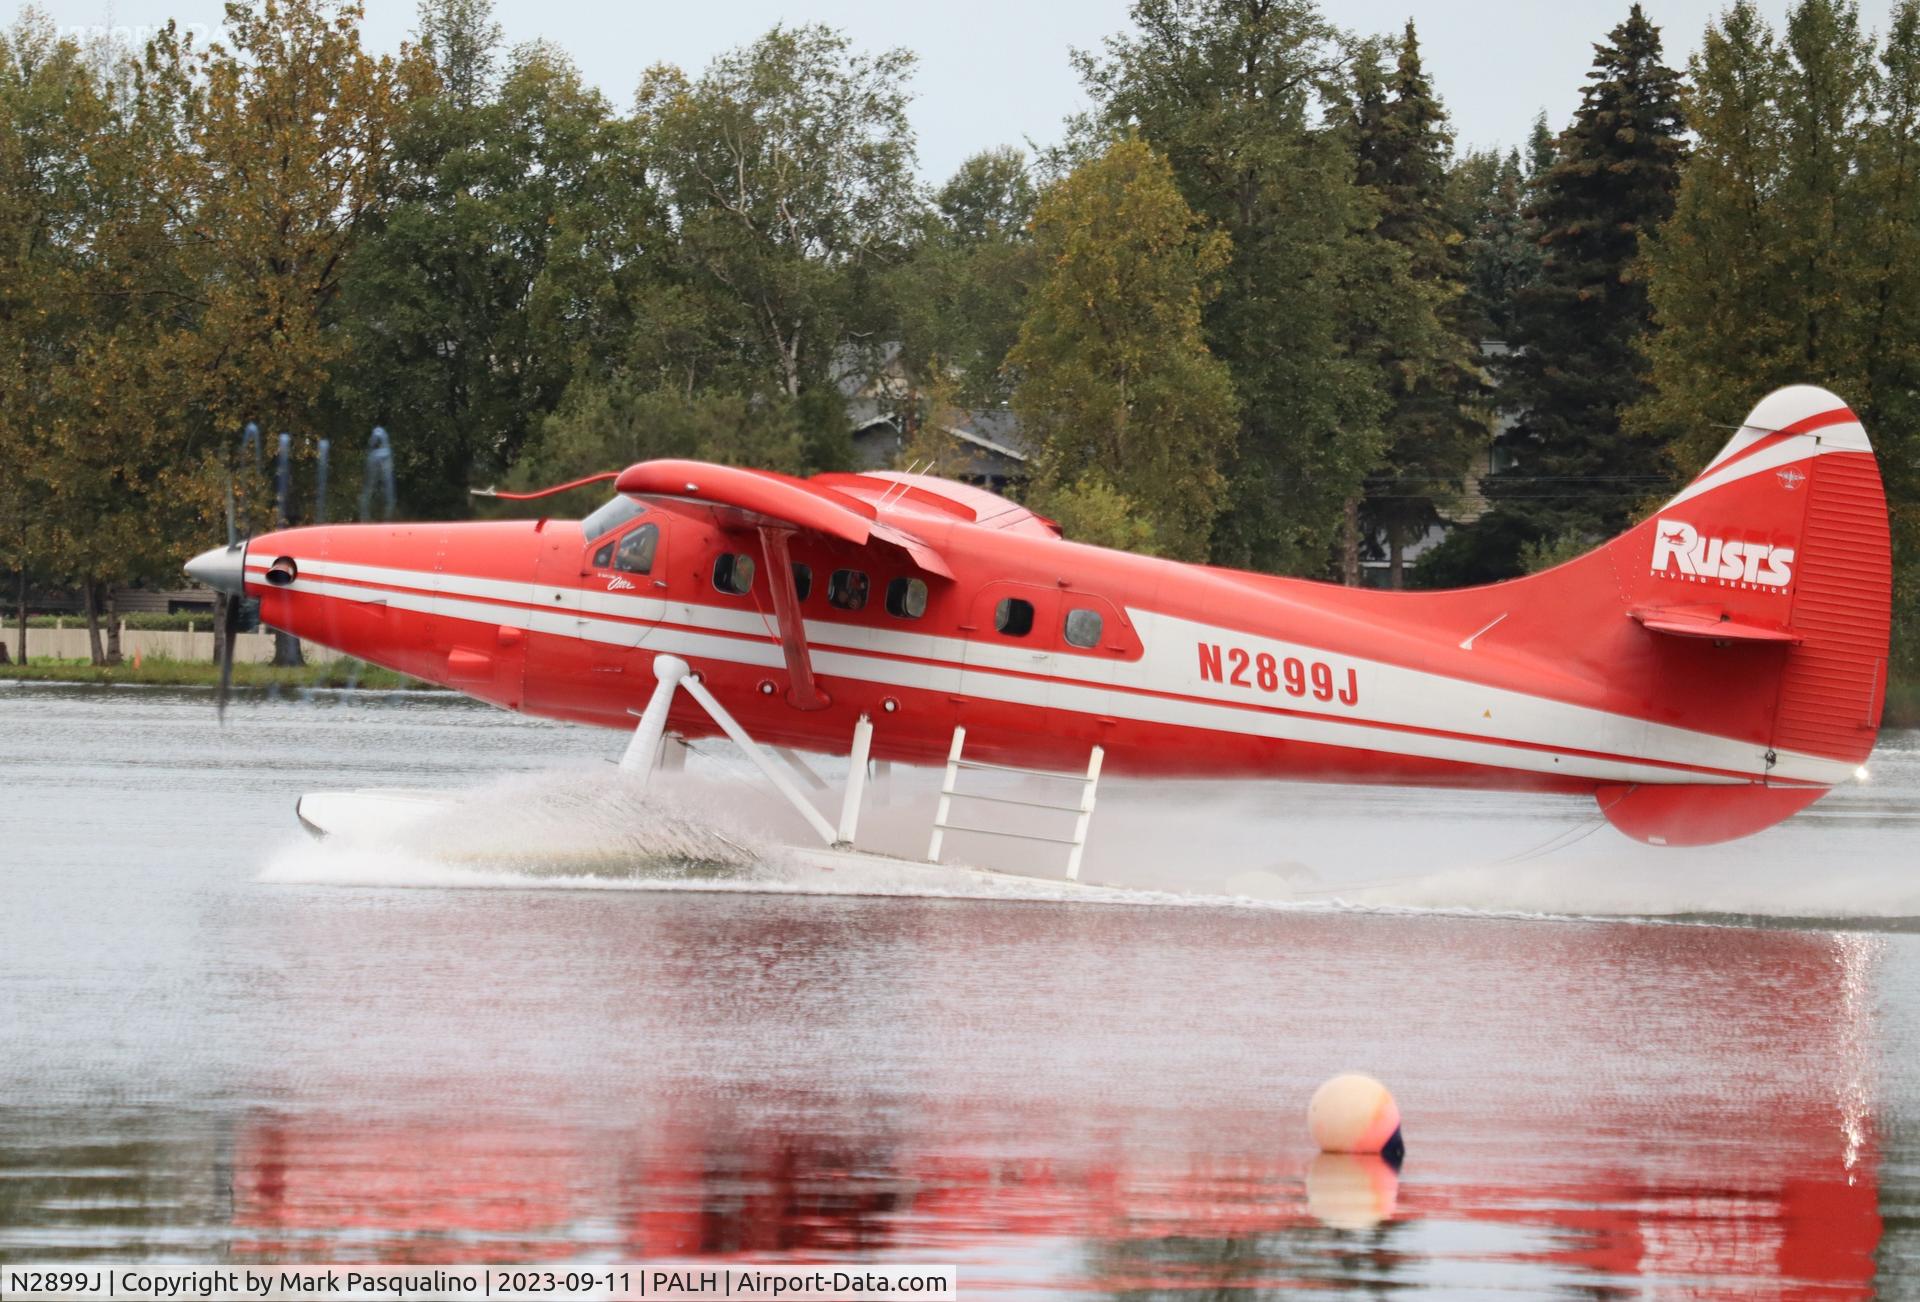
1705 674
1040 647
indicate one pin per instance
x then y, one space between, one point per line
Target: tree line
1253 308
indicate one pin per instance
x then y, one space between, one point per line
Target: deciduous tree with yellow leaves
1117 384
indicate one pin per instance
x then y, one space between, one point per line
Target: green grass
156 672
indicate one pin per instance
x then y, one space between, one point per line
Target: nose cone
221 568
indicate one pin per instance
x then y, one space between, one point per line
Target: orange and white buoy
1353 1113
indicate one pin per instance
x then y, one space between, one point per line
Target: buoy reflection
1352 1191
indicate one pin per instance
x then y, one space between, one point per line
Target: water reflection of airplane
329 1189
1172 1181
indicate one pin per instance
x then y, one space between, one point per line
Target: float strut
755 752
856 780
1086 813
643 748
799 766
948 784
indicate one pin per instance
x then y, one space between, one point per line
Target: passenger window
604 557
1083 628
907 598
635 553
733 572
802 581
847 589
1013 617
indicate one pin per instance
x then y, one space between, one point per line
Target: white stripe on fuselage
1161 687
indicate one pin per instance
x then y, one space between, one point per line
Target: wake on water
1246 845
574 825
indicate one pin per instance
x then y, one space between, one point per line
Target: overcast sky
996 71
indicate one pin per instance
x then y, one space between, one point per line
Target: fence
70 643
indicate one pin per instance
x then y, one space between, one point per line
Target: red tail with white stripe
1767 582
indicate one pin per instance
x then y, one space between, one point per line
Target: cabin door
598 602
1010 634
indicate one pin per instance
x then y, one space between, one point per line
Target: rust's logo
1681 552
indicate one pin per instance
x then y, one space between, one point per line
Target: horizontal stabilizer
1709 622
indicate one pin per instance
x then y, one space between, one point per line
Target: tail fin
1762 594
1753 646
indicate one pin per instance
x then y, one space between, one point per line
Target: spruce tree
1542 150
1579 326
1793 255
1431 374
1760 279
1489 203
1891 347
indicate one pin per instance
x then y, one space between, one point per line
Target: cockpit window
636 550
610 517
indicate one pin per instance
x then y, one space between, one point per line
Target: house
987 447
1467 507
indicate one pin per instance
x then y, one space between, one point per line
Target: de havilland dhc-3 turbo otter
1708 673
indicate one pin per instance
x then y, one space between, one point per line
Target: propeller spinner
223 569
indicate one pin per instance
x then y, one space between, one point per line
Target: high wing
776 505
766 499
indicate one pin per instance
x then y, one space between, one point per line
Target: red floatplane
1708 673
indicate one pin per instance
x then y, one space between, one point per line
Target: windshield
610 517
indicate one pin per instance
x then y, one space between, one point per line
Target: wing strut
802 692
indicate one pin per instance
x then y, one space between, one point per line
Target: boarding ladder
950 791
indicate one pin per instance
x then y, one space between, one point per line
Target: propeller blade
321 454
283 483
229 621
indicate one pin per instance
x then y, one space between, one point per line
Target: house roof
982 441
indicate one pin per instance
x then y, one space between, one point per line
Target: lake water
221 1040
